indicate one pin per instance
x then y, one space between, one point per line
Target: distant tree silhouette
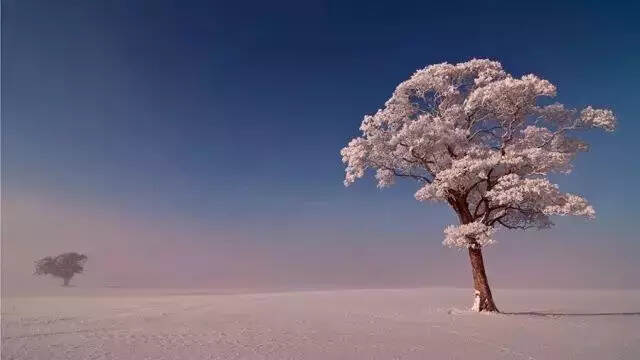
63 266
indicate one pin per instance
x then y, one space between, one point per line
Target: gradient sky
187 143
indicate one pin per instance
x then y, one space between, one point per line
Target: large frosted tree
477 138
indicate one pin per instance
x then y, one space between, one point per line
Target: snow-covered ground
340 324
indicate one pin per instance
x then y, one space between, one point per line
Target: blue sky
230 118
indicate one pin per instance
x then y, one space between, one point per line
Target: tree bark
482 293
66 281
483 300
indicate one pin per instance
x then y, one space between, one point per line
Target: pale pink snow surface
340 324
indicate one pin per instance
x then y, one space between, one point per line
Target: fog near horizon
125 251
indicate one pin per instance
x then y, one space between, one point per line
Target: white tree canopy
476 137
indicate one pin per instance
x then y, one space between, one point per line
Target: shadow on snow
559 314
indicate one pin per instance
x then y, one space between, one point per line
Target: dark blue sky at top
235 112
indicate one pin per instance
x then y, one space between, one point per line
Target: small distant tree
476 138
63 266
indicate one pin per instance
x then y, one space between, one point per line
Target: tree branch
488 131
410 175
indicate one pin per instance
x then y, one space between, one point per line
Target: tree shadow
561 314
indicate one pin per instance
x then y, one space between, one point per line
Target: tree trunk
66 281
483 300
